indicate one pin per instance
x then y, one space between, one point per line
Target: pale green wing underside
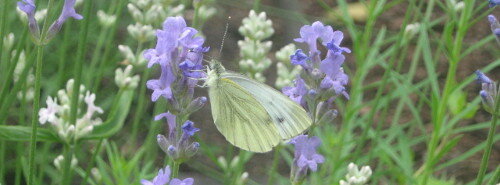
242 119
289 118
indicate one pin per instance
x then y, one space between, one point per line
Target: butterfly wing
289 117
240 117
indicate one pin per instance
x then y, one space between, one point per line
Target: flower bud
222 162
234 162
106 20
196 105
135 12
141 33
8 42
327 117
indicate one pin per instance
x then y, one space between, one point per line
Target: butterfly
251 115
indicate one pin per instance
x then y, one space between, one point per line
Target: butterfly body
250 114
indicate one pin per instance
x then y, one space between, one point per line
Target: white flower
412 29
356 176
253 50
59 160
286 73
106 20
49 114
141 33
257 27
57 113
124 78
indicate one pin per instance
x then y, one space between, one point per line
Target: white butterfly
250 114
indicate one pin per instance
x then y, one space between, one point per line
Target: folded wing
289 117
241 118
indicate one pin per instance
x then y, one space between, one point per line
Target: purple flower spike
493 3
67 12
495 26
305 152
29 7
334 45
305 156
482 78
310 34
162 178
187 181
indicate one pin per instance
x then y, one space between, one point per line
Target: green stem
175 169
63 55
489 143
2 30
68 151
90 165
496 176
140 106
34 120
274 164
196 17
36 100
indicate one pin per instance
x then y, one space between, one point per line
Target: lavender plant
319 84
253 50
179 54
490 96
41 38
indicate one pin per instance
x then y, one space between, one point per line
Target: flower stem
89 167
489 143
140 106
175 169
34 120
68 150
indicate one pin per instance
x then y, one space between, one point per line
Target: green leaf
23 133
116 117
457 101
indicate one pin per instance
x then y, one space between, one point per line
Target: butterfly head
216 67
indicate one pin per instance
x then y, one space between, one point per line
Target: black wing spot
281 120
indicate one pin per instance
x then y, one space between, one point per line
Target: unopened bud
196 105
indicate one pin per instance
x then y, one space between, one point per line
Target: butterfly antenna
224 36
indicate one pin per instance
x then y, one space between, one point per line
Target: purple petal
189 129
187 181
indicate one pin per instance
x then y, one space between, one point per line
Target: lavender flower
321 79
179 148
163 178
489 91
316 88
495 26
179 53
305 156
334 45
67 12
28 7
493 3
